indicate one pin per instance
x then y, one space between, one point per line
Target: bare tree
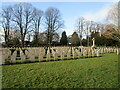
113 29
97 27
23 16
112 16
53 23
37 16
29 36
87 30
91 29
102 29
6 22
94 27
80 28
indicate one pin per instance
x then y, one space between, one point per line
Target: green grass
99 72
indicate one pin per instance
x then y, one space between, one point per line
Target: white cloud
98 16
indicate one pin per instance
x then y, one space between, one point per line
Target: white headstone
22 56
93 52
13 57
74 54
41 54
55 55
118 51
89 52
84 53
97 53
48 56
69 54
31 55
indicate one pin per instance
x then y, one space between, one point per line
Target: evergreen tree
63 39
74 39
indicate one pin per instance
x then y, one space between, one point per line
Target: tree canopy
75 39
63 40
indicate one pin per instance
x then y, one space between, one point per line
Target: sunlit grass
99 72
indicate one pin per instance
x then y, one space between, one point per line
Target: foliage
113 29
63 39
74 39
112 32
103 40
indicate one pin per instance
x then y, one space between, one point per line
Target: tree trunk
22 40
87 40
80 41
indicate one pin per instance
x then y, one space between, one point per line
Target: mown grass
99 72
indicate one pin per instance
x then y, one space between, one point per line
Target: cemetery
40 50
97 72
60 67
40 54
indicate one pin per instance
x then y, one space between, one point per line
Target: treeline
22 25
22 22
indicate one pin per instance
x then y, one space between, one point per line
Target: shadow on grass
26 62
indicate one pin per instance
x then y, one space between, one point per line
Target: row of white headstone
55 52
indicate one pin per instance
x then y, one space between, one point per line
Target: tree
23 16
63 39
37 16
36 39
102 29
75 39
112 32
102 40
113 29
53 23
112 16
55 37
80 28
6 22
87 30
14 36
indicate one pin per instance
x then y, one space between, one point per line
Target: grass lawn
99 72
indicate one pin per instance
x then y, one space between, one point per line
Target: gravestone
48 56
69 54
96 52
62 55
89 52
55 55
41 54
84 53
93 52
74 54
118 51
13 57
22 56
31 54
78 53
